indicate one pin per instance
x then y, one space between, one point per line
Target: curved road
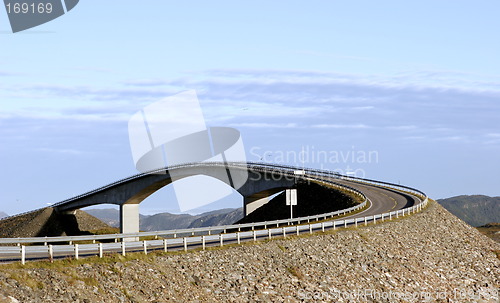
382 200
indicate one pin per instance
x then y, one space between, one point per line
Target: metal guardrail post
203 242
51 253
100 250
165 248
145 247
123 248
76 251
185 244
221 239
23 254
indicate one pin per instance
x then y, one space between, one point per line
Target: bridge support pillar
252 203
129 220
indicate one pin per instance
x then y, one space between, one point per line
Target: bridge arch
129 193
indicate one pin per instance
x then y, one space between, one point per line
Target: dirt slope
47 222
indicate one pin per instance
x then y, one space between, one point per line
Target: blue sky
417 84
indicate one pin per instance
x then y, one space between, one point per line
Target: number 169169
29 8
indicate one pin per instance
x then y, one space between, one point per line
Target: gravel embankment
47 222
427 257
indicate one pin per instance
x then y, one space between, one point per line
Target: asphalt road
382 200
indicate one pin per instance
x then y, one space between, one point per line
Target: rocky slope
47 222
427 257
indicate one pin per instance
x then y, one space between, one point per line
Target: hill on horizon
475 210
166 221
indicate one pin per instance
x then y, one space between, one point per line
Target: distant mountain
3 215
475 210
166 221
109 216
217 219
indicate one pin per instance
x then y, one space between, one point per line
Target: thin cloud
122 94
415 138
332 55
363 108
309 99
452 139
72 152
402 127
264 125
350 126
146 82
493 135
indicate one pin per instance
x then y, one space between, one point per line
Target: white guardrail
184 239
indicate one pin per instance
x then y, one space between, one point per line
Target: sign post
291 199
